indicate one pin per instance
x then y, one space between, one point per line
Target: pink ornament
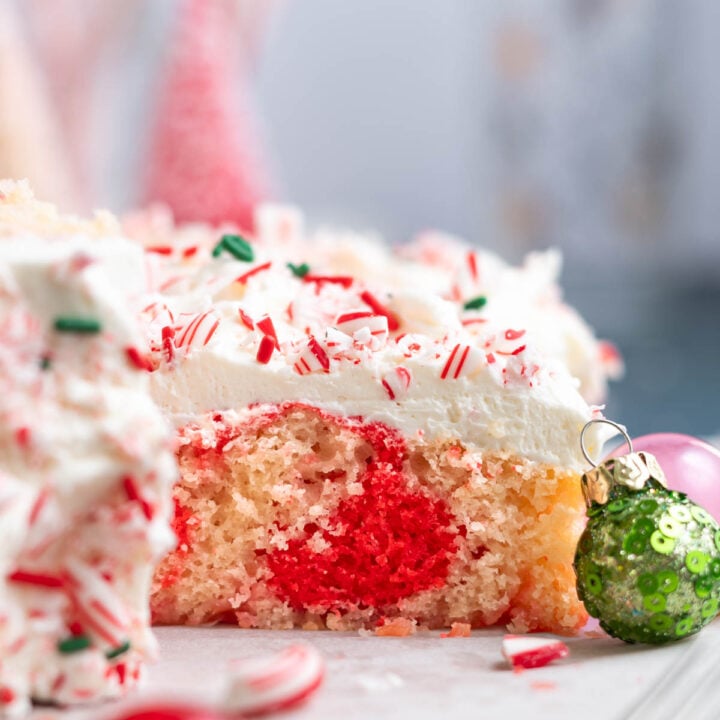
691 466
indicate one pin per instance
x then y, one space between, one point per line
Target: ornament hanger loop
618 427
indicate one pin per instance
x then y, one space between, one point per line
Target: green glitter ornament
648 562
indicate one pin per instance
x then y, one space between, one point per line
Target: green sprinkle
45 362
110 654
299 270
237 246
77 324
476 303
73 644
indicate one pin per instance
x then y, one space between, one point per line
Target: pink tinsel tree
202 160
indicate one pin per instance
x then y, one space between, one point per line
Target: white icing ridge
513 371
86 463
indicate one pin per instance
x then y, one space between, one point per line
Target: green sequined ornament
648 562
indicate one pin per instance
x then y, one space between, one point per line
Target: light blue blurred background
591 125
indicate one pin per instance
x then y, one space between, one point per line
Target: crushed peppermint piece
462 361
195 330
312 359
27 577
527 651
133 494
73 644
371 301
140 361
299 270
247 321
237 246
77 324
266 327
355 322
475 303
396 383
265 349
260 268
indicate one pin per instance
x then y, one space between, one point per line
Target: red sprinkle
160 249
371 301
27 577
168 333
345 280
6 695
188 252
260 268
514 334
266 349
246 319
472 265
317 350
140 361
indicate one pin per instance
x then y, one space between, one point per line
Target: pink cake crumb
397 627
457 629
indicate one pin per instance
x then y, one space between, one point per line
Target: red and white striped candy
353 322
462 361
264 685
97 604
532 651
312 359
193 330
397 382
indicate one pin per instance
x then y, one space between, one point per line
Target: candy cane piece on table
263 685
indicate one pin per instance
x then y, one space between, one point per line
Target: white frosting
86 464
517 390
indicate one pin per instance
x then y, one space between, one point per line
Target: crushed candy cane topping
86 466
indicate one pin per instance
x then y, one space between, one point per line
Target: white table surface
424 676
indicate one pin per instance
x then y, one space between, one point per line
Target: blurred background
589 125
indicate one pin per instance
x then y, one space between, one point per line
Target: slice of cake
367 434
86 464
